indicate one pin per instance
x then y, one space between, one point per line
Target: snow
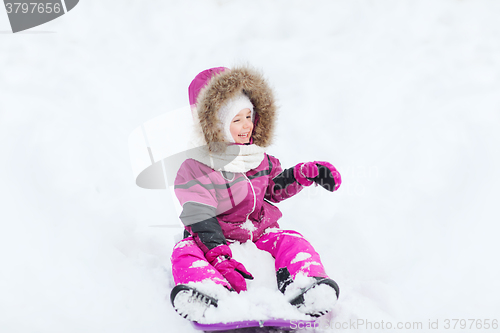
248 225
401 96
199 263
318 299
301 256
261 301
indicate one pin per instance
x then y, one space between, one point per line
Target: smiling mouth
243 135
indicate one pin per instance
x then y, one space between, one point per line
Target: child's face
241 126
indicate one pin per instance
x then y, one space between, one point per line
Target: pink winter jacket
219 205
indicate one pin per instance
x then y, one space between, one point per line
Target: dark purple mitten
328 176
234 272
305 172
321 173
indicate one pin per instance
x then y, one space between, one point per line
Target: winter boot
318 298
191 303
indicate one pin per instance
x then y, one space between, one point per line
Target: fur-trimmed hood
213 87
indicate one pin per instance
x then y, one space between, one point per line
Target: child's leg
189 265
293 255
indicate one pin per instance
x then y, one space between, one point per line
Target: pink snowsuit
234 199
220 206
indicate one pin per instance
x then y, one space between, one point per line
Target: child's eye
249 117
235 121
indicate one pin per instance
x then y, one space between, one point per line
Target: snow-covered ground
402 96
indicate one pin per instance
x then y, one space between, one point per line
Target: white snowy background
402 96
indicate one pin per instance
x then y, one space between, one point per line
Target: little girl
227 194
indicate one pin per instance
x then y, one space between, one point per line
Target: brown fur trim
225 86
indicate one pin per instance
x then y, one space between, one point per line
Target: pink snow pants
289 249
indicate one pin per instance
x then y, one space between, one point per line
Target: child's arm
196 193
282 183
287 183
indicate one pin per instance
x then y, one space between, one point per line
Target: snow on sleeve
199 263
301 256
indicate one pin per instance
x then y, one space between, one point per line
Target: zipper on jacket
254 204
